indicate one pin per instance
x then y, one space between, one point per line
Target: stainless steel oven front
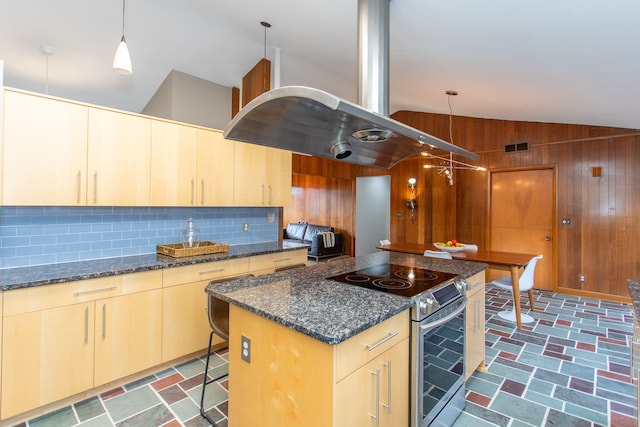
437 377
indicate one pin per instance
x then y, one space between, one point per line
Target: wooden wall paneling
324 201
609 212
256 81
235 101
606 209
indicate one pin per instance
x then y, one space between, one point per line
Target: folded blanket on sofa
328 238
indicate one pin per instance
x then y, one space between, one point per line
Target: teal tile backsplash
47 235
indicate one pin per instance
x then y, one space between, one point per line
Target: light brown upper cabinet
173 164
44 151
64 153
262 176
190 166
215 167
60 153
119 159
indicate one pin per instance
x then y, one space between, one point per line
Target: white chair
437 254
385 242
526 284
469 247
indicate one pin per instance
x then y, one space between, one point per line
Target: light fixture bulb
122 59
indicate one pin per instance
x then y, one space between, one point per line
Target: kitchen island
320 353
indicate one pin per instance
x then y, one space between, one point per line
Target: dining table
498 260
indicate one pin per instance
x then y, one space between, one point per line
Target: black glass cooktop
395 279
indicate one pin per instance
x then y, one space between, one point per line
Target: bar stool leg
203 414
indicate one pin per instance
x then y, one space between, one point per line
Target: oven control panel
431 301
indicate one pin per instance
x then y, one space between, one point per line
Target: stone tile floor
169 398
568 368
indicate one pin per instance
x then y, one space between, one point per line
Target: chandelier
447 166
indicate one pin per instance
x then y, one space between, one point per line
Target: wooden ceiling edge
566 141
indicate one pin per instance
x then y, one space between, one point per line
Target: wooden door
173 164
119 159
215 166
45 151
522 217
127 335
47 355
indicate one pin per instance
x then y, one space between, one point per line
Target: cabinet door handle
79 186
281 260
388 404
217 270
202 193
262 194
90 291
377 415
270 194
193 192
95 188
104 321
86 325
382 341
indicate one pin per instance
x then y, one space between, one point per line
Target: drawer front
48 296
280 259
205 271
367 345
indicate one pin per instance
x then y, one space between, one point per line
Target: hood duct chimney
373 55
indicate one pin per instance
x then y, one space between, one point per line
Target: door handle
547 238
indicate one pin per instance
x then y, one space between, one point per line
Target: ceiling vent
517 147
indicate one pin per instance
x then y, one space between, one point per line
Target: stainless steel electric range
437 335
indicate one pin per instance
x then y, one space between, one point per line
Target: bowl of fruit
450 246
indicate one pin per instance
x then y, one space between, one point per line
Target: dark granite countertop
14 278
634 291
327 310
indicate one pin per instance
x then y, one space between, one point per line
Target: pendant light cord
46 82
450 118
123 7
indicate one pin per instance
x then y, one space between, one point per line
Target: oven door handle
440 322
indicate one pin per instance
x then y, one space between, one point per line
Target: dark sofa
304 232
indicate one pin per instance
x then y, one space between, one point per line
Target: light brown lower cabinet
185 325
475 326
47 355
295 380
64 339
59 340
381 389
128 334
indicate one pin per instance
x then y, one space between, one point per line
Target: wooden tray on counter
176 250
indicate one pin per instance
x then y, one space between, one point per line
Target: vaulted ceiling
566 61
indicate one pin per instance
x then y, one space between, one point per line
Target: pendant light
448 165
122 60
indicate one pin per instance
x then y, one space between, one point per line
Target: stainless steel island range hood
311 121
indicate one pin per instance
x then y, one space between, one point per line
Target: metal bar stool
218 313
